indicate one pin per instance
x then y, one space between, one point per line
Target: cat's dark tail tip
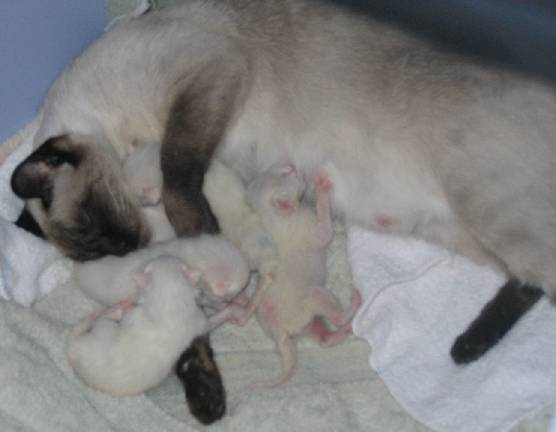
512 301
464 351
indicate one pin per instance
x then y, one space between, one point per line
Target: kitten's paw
239 319
323 183
241 300
288 169
151 196
117 310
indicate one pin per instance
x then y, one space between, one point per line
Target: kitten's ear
287 169
142 279
191 275
34 177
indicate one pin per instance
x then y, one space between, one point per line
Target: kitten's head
168 286
224 269
74 190
278 190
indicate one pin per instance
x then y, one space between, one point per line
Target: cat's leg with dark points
199 117
511 302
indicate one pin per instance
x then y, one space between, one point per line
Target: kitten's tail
287 350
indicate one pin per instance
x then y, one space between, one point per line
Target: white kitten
224 271
293 300
129 348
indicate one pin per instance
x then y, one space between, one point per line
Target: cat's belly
383 200
380 176
377 197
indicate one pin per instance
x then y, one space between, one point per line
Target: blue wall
37 38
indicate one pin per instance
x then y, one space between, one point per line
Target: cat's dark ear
27 222
33 178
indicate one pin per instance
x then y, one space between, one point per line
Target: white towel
416 299
29 267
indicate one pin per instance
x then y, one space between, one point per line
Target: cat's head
73 189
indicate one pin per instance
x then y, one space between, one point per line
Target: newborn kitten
131 347
294 301
224 272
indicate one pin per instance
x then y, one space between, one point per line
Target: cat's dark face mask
75 198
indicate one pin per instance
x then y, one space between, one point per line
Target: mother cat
416 141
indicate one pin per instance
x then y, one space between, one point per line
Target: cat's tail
512 301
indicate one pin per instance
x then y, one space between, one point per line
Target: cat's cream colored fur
415 141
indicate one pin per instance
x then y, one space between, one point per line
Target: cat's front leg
196 124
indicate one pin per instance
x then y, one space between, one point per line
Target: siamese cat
416 141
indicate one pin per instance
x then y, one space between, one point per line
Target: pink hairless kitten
293 299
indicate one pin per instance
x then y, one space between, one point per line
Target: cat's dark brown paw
202 382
